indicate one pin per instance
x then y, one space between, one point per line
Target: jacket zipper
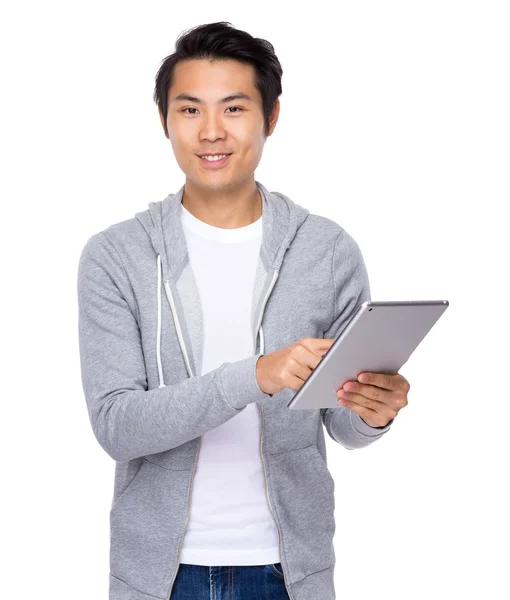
285 578
187 518
268 293
271 508
188 366
177 326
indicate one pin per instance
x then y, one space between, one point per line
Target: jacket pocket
124 491
146 524
323 467
303 493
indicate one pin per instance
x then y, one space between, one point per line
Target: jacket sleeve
351 289
127 419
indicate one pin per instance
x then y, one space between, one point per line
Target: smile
213 162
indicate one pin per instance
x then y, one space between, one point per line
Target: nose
212 129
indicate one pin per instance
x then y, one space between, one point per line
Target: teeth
214 157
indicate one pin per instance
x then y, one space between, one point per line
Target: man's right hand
290 366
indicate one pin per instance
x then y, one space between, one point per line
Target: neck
225 208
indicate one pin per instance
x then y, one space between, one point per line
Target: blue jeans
257 582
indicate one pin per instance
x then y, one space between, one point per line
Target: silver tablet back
379 339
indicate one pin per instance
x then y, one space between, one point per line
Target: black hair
221 41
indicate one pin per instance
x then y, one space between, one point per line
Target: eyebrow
236 96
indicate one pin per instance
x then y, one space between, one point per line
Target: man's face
209 127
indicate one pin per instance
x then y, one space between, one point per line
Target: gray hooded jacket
140 341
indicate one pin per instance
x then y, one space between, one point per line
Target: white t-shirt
230 522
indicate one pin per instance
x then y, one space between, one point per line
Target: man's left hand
376 399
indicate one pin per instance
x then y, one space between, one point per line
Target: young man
199 318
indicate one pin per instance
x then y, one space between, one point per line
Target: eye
192 108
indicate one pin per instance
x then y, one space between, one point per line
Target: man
199 318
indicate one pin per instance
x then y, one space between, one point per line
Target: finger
317 346
299 370
387 381
368 409
308 355
363 401
405 386
370 391
296 383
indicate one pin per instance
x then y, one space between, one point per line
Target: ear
273 119
162 119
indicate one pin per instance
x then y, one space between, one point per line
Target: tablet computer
379 338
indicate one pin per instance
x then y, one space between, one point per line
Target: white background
401 110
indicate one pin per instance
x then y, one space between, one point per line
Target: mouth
216 163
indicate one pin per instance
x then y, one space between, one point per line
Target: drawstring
158 334
261 349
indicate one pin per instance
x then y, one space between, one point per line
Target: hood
282 218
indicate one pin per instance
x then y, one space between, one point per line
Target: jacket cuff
238 382
365 429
